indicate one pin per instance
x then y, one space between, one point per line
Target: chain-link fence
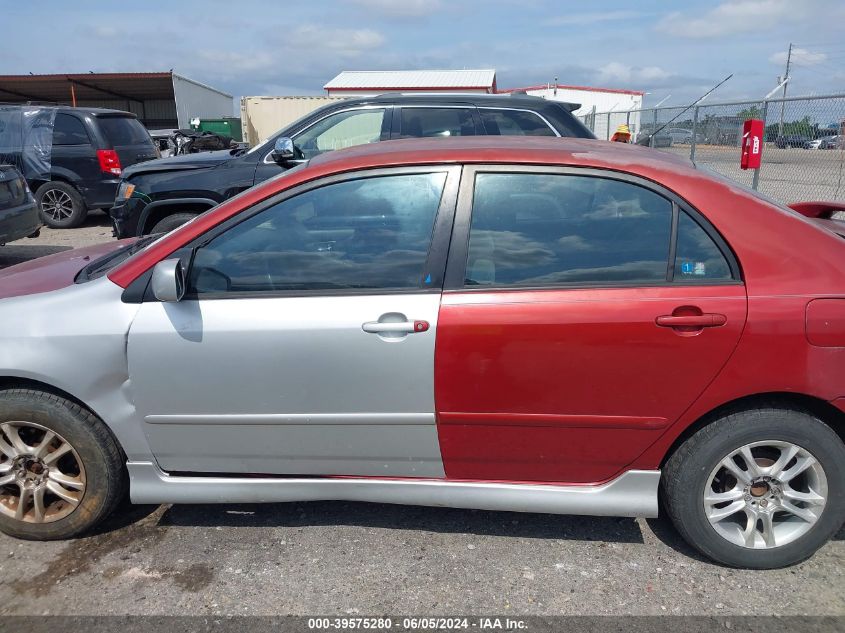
804 148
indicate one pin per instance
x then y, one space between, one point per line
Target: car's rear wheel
761 489
60 205
61 471
165 225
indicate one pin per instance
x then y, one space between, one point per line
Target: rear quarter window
123 130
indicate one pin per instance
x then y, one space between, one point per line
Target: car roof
536 150
510 99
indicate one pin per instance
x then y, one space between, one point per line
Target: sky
244 47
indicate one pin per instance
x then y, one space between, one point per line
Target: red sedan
533 324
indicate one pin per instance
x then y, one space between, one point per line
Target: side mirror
168 281
283 149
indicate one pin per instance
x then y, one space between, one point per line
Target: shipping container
261 117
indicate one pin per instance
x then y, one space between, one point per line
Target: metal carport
159 99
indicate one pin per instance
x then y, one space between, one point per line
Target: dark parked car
792 140
18 212
90 148
160 195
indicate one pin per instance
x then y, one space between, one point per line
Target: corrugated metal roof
412 79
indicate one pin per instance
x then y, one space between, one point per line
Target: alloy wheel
42 478
765 494
57 204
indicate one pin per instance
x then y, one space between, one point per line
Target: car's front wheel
761 489
61 471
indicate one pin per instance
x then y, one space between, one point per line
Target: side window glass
371 233
548 229
68 130
697 257
514 123
434 122
344 129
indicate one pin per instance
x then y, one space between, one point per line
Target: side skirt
632 494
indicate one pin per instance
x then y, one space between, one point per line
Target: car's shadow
385 516
418 518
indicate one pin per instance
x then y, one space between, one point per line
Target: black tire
60 205
165 225
687 472
106 479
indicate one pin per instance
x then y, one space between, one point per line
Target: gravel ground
367 559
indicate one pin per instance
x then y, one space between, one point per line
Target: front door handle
691 320
403 327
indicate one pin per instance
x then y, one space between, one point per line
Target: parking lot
788 175
367 559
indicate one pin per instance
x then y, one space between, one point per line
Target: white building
366 83
623 105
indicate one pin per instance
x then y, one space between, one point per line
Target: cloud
730 18
800 57
617 72
400 8
348 42
582 19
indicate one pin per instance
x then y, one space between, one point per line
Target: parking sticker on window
698 269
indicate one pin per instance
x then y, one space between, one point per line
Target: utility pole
786 79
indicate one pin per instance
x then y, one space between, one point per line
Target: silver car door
306 342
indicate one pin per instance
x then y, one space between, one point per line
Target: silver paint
168 280
74 339
287 385
633 494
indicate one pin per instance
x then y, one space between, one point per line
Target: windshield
101 266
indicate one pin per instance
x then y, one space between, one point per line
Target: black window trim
435 262
459 250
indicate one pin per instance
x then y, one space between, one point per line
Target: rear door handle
403 327
691 320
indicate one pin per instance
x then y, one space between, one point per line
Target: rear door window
68 130
122 131
551 229
436 122
514 123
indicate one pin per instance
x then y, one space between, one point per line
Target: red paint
554 420
541 356
53 271
752 144
421 326
826 322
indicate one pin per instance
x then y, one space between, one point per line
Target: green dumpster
229 126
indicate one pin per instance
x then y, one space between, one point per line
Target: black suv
88 149
159 195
